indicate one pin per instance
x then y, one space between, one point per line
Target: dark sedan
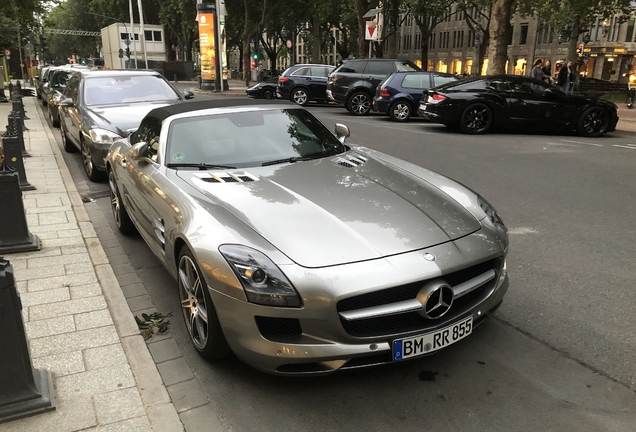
517 103
53 92
264 89
400 93
102 106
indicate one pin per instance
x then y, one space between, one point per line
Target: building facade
114 38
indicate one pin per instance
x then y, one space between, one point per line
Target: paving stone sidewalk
77 320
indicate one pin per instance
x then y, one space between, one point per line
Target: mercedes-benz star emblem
429 256
436 298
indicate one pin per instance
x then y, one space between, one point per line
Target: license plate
427 343
423 107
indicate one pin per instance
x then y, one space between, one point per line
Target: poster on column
208 46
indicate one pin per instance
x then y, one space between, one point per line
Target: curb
159 408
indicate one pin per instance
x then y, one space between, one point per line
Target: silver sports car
297 252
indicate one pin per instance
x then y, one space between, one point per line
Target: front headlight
262 281
496 220
103 136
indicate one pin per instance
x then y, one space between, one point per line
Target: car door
318 82
71 114
140 188
376 71
530 106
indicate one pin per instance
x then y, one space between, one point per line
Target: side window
416 81
354 67
378 68
72 87
526 87
149 132
498 85
319 72
301 72
439 80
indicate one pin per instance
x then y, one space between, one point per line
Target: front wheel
400 111
122 220
267 93
92 173
300 96
476 119
359 104
198 310
594 122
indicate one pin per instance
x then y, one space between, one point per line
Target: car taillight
283 79
384 92
436 98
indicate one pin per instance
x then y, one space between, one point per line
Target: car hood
121 118
331 211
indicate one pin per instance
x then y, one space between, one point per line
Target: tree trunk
424 55
573 46
498 47
481 53
316 50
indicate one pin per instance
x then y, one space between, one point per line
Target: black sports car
515 102
264 89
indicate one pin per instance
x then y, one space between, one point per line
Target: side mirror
342 132
188 95
66 102
45 85
139 151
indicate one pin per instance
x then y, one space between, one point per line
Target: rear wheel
400 111
122 220
198 310
300 96
594 122
267 93
359 103
476 119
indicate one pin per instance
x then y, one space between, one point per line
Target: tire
359 103
267 93
54 123
198 310
299 96
44 102
593 122
92 173
400 111
122 220
38 95
68 145
476 119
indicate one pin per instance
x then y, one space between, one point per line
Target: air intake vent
351 161
246 178
229 179
211 180
225 177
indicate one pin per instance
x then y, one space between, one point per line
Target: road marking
627 146
522 230
581 142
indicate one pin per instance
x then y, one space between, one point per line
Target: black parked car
304 83
400 93
264 89
355 81
102 106
515 102
41 79
53 92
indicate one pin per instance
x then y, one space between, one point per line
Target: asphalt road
560 353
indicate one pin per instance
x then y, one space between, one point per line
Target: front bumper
324 345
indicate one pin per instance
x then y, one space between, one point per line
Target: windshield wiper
201 166
291 159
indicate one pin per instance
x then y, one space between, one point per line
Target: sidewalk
77 320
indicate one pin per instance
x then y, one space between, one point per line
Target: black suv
355 81
305 82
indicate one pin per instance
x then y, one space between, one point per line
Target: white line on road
581 142
522 230
628 146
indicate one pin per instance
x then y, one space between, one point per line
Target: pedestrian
537 72
547 69
566 77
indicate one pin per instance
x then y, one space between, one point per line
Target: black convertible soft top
169 110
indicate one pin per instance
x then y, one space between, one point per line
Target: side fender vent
210 180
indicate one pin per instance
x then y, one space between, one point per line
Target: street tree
500 14
362 7
428 14
477 17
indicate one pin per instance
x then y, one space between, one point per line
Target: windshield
250 138
60 78
127 89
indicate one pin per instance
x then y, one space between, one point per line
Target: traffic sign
371 32
289 44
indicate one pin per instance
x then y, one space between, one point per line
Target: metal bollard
14 231
13 154
24 391
14 124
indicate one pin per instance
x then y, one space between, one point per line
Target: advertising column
208 41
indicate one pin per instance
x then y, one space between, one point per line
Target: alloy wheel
193 303
268 94
300 97
401 111
114 200
360 104
477 118
87 159
595 122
